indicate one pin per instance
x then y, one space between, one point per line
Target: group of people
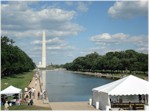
132 107
29 95
36 76
4 101
42 94
142 98
7 103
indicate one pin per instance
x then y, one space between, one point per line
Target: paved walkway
71 106
37 101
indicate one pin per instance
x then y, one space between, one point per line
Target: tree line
13 59
119 62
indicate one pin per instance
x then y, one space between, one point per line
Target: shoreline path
58 105
37 102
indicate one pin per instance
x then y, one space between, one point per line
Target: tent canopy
129 85
11 90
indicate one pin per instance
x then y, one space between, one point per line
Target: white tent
129 85
12 90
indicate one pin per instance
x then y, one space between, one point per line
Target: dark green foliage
123 61
13 59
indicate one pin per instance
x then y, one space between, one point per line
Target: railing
125 106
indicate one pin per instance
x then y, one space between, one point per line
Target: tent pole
19 95
146 98
109 102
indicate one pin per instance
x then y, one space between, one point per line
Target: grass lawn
142 76
19 80
26 107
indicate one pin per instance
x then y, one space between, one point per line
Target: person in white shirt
6 105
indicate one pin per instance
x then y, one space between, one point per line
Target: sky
75 28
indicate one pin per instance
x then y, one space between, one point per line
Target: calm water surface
65 86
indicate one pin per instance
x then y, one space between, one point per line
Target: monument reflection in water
65 86
43 72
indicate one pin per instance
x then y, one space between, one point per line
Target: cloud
62 47
108 38
138 42
28 22
143 49
37 42
128 9
55 40
102 36
102 50
82 6
36 16
53 44
25 21
141 43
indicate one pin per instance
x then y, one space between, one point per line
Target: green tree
128 60
13 59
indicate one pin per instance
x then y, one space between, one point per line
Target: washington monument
44 51
43 64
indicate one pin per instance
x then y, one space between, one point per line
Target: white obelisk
44 51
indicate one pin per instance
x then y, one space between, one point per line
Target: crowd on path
37 94
33 95
29 95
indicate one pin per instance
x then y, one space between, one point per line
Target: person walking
41 95
30 93
6 105
33 92
28 101
31 101
130 106
140 98
134 106
38 95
